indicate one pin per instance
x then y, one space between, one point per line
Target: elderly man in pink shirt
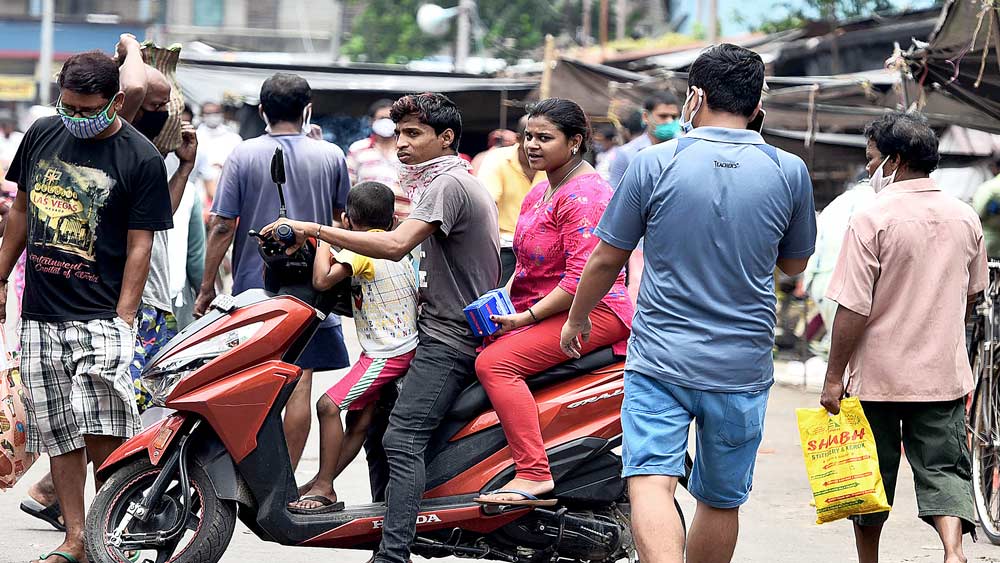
912 264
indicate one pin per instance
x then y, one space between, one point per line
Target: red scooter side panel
145 441
269 343
365 530
595 398
236 405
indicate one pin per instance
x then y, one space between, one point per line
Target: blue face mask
87 127
688 124
666 131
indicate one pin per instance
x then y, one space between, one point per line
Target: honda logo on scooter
421 519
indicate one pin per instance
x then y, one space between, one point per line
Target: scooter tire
211 538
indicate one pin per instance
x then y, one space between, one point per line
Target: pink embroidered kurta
554 239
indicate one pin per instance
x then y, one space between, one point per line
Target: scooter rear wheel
208 532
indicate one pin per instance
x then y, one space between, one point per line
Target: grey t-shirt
157 289
461 260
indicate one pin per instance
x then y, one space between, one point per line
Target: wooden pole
603 22
713 21
621 16
548 62
586 23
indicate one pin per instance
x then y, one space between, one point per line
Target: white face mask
384 127
307 115
306 120
878 180
687 124
212 120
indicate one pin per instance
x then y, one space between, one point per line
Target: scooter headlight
160 378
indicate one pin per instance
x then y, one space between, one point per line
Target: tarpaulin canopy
210 81
599 89
960 62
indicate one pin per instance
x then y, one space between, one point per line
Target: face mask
89 127
687 124
212 120
666 131
151 123
880 182
384 127
307 115
306 120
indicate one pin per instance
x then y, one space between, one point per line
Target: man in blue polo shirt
719 209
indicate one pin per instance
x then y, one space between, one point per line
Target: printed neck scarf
414 178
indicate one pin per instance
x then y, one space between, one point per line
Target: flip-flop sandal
48 514
69 558
326 506
528 500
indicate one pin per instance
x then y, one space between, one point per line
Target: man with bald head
147 94
147 90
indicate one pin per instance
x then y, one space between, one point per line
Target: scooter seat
473 400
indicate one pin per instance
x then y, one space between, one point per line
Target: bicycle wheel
985 446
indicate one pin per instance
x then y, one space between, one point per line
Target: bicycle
984 410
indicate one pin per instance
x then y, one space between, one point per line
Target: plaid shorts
76 374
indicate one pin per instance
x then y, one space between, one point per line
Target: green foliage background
386 30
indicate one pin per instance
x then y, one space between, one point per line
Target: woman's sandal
528 500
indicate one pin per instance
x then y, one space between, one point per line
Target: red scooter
173 492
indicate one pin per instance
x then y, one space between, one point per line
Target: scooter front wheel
203 539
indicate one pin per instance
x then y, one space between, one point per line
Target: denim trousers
437 374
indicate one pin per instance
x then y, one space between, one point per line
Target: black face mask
151 123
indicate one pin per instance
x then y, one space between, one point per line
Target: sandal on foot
326 505
69 558
528 500
48 514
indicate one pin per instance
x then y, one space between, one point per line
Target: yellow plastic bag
841 462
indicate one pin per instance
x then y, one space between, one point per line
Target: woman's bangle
532 313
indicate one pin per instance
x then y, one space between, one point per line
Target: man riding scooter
454 221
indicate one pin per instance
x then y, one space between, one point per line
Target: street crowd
106 241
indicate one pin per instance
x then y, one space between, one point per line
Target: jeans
437 374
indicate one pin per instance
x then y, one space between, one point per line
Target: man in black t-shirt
91 192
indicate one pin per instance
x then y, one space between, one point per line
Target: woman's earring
574 151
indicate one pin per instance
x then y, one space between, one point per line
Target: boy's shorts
361 386
933 435
656 419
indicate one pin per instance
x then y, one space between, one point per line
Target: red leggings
504 364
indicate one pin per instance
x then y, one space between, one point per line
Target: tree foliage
386 30
797 14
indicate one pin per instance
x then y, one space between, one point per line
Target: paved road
777 524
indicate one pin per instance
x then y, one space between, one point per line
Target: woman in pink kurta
552 242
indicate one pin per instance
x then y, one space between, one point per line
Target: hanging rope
986 47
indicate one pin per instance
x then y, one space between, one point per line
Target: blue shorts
326 351
656 418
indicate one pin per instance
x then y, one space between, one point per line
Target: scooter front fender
155 440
